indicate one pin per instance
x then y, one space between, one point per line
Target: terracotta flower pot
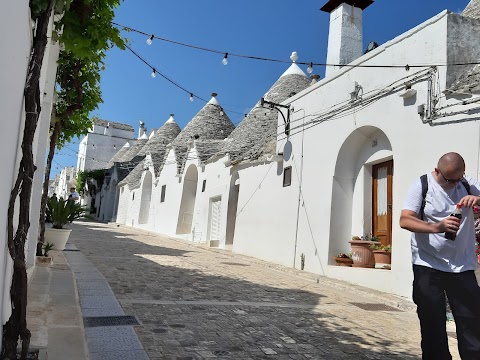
383 259
362 255
343 261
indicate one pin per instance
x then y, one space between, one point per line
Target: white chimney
345 37
141 130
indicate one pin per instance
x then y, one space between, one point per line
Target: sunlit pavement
197 303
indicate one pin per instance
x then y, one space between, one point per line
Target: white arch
351 189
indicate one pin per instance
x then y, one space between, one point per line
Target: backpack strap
424 182
467 186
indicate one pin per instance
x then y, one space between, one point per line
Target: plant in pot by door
343 259
61 212
362 254
383 256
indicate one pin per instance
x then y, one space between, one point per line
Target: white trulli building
102 142
251 145
16 42
356 141
154 149
117 168
174 184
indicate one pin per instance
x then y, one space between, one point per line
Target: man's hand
469 201
450 224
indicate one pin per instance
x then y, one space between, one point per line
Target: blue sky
264 28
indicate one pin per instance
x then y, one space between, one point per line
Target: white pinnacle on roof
144 136
170 120
293 69
127 145
213 100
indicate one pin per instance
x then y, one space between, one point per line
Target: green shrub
63 212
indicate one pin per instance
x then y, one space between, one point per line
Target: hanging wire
407 67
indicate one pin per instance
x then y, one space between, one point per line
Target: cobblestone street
197 303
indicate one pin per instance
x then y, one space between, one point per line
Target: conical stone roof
469 80
119 154
157 147
210 123
259 127
130 159
472 10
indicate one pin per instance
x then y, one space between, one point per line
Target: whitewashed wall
16 36
96 150
337 158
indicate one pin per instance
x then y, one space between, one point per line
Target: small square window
162 196
287 176
133 196
204 184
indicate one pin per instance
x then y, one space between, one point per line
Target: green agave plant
62 212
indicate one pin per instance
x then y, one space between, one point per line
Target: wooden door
382 201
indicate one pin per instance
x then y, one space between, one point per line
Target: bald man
442 266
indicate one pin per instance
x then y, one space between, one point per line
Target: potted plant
362 254
382 255
343 259
61 212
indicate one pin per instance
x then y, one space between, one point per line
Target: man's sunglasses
451 181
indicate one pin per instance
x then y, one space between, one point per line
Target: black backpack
424 181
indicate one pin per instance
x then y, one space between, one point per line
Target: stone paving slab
97 300
195 303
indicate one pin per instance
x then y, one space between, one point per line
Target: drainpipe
299 189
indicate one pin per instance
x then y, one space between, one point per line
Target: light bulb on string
191 97
225 59
310 68
150 40
154 73
221 112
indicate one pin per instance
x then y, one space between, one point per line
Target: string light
154 73
168 79
225 59
191 97
150 39
310 68
221 112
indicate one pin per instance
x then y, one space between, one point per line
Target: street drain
375 307
110 321
221 353
234 264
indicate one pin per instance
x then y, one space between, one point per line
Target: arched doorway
146 198
362 188
232 209
185 215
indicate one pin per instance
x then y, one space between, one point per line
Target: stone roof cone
210 123
472 10
157 148
259 128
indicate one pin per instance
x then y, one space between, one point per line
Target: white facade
16 40
342 129
101 143
332 153
66 179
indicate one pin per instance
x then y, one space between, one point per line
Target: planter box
383 259
362 255
57 237
343 261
